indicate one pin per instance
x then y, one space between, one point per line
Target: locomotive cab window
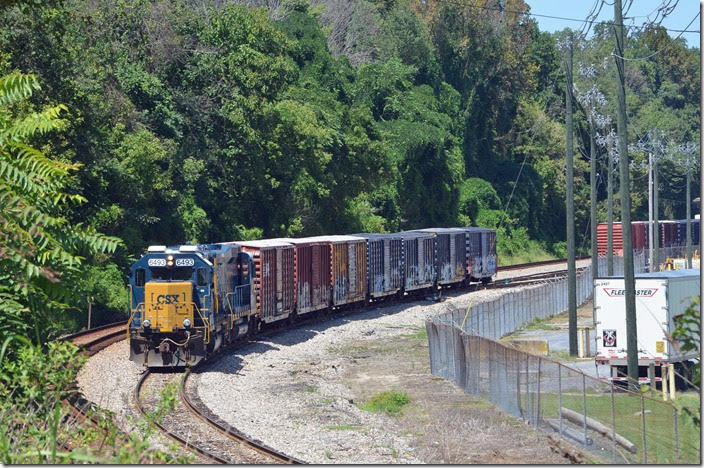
171 274
202 276
139 276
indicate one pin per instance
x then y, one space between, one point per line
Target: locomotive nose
168 305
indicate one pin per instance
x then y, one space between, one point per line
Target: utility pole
592 170
628 277
650 211
571 267
610 211
656 225
689 216
592 176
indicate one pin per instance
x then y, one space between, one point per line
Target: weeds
35 427
390 402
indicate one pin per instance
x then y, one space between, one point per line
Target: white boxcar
660 296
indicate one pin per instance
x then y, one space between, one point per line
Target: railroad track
191 425
98 338
521 266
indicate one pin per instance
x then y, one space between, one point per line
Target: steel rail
520 266
230 431
169 434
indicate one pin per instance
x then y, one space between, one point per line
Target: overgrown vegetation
243 119
36 428
389 402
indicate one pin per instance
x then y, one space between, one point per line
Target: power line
657 51
538 15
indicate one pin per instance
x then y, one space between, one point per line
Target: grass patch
345 427
310 389
540 324
534 253
659 422
420 333
390 402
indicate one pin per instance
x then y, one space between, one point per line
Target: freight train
671 233
186 301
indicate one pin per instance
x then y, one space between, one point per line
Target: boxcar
668 234
348 268
450 254
418 260
274 280
481 253
384 263
311 273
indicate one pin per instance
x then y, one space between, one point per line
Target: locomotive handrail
134 311
237 291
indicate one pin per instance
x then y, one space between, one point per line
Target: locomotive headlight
170 260
186 323
146 323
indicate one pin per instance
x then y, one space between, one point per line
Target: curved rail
169 434
230 431
95 339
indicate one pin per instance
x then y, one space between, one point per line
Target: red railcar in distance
639 236
274 279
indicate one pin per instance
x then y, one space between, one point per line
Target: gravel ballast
287 391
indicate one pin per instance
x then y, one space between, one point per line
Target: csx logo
167 298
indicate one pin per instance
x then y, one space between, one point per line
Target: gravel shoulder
298 392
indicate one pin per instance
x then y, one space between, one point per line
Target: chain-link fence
511 311
609 422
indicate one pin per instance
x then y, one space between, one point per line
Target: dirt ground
447 425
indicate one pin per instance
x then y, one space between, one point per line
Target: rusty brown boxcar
418 260
384 263
639 236
312 273
450 254
348 268
274 280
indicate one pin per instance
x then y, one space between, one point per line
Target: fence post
559 395
642 418
537 410
677 439
613 422
518 382
584 407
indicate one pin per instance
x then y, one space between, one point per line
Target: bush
35 427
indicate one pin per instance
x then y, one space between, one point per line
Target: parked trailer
660 296
348 268
311 272
384 263
274 278
450 254
418 260
481 253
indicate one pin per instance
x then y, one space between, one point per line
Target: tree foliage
40 250
211 121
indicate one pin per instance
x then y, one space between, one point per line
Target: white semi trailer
660 296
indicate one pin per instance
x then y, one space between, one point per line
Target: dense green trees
40 250
210 121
